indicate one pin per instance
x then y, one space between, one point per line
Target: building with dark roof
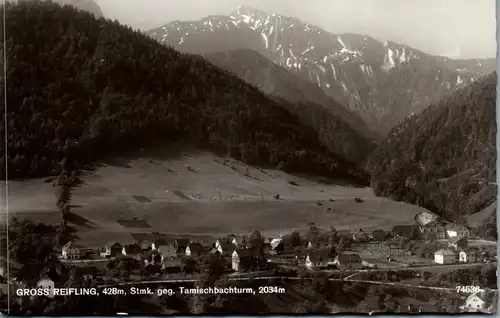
348 261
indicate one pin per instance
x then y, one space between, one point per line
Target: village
436 246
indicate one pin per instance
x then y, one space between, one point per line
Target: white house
46 283
235 261
474 303
70 251
467 256
445 256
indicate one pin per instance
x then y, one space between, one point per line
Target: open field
200 193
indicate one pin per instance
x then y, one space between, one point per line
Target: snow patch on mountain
388 60
266 40
334 72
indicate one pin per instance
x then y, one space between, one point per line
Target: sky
453 28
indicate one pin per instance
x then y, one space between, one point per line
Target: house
457 242
171 265
317 259
344 234
71 251
435 229
224 247
409 231
360 236
46 283
348 261
445 256
131 249
167 252
157 243
276 246
239 241
474 303
467 256
454 230
145 245
112 249
379 235
194 249
181 244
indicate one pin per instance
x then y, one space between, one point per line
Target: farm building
435 229
460 231
360 236
408 231
157 243
181 244
348 261
378 235
318 259
457 242
112 249
131 249
194 249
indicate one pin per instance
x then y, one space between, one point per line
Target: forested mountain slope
340 129
445 158
80 88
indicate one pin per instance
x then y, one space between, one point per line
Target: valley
218 196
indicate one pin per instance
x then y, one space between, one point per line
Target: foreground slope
444 158
187 191
82 88
345 66
342 130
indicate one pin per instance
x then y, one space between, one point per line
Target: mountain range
366 75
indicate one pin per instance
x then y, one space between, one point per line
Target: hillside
83 88
342 130
185 191
350 68
446 155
